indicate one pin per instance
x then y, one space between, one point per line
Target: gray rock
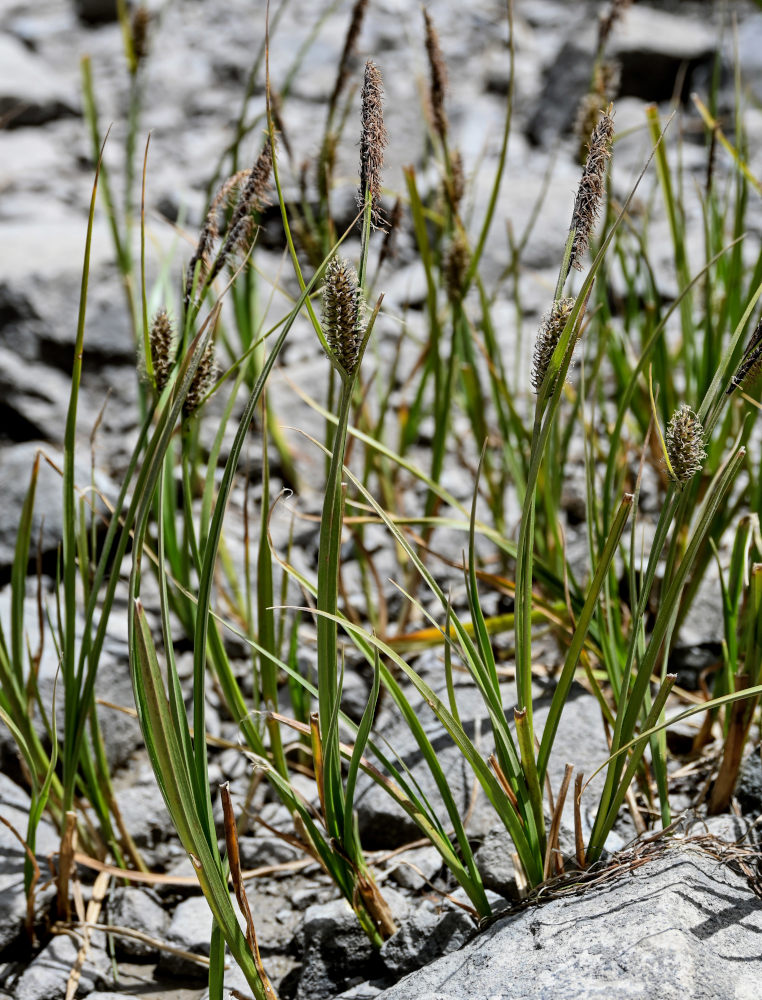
35 399
354 695
96 11
16 462
47 975
31 93
567 80
135 908
108 334
495 863
681 927
417 868
750 52
121 732
191 927
363 991
335 951
105 995
260 850
14 808
579 740
143 810
749 787
726 827
276 967
426 936
653 47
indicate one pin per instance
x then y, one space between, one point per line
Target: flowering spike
162 341
590 191
685 445
341 313
372 142
547 339
437 77
202 382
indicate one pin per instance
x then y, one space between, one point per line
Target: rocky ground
697 915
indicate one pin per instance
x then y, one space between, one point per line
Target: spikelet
141 19
372 142
246 193
437 77
750 367
607 21
456 182
251 201
341 313
162 342
203 380
456 265
547 339
606 78
591 187
685 445
206 239
350 47
326 164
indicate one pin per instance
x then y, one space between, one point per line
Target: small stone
96 11
144 812
258 851
363 991
14 807
427 860
46 977
426 936
191 930
104 995
335 951
136 909
494 859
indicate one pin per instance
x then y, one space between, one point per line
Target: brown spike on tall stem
373 141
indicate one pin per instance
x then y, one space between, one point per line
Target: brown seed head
209 233
141 19
604 89
750 367
608 19
162 341
372 142
456 266
547 339
252 200
326 164
456 184
246 191
341 313
685 445
606 79
350 47
203 380
591 187
437 77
